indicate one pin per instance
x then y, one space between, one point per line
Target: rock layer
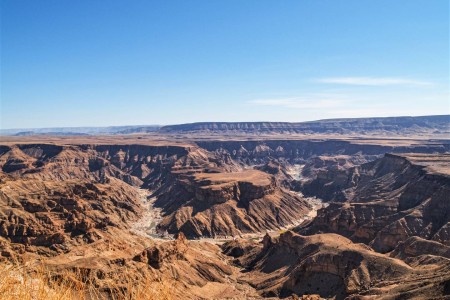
390 125
229 204
331 266
384 202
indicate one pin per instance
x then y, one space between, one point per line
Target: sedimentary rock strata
384 202
331 266
385 232
229 204
391 125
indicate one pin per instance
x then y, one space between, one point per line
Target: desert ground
202 216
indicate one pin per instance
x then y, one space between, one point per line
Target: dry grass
24 283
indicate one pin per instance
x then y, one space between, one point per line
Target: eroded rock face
57 215
386 201
74 204
320 170
328 265
193 263
279 168
415 247
300 151
229 204
366 126
57 197
157 255
77 190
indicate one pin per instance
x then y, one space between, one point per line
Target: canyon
224 211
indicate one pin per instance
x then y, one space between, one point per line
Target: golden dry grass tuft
24 283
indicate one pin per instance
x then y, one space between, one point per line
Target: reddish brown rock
331 266
229 204
386 201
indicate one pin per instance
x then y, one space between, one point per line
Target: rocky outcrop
317 166
386 201
58 215
254 152
74 204
54 197
164 253
280 170
415 247
77 189
199 270
331 266
228 204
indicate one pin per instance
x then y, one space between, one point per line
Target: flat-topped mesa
387 125
228 204
432 164
15 160
242 186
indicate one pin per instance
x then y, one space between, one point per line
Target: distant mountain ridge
440 123
421 124
80 130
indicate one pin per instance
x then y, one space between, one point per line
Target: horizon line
229 122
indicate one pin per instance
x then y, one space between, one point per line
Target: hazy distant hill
80 130
396 125
435 124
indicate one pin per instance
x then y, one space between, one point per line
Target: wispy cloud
309 102
351 104
374 81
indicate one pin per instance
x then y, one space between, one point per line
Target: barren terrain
222 217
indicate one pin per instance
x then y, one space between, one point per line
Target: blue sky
100 63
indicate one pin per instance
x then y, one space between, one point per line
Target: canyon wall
384 202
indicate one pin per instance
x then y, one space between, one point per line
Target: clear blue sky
100 63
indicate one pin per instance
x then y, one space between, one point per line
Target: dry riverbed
147 225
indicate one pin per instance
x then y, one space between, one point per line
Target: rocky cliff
331 266
75 203
228 204
393 125
55 197
199 269
299 151
71 189
384 202
421 125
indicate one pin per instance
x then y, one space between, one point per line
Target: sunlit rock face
386 201
229 204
